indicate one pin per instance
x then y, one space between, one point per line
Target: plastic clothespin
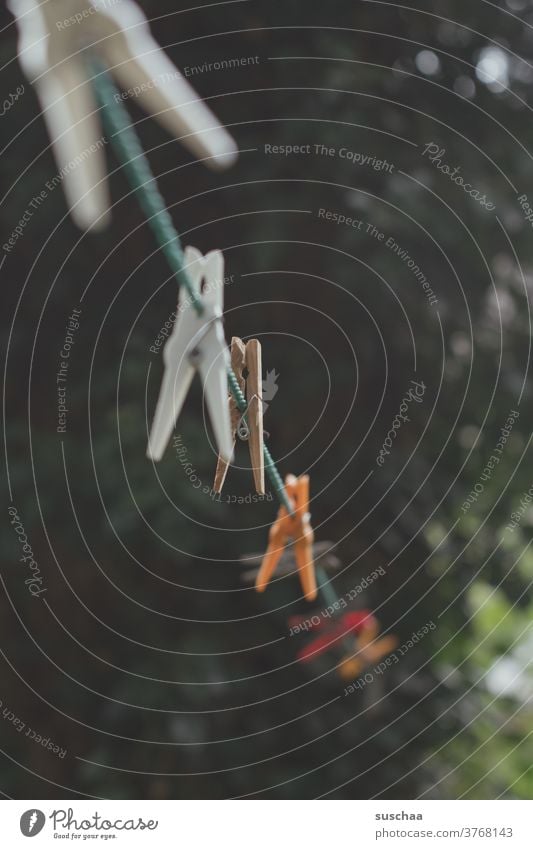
250 429
331 631
196 344
295 526
55 36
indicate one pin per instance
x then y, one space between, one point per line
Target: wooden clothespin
196 344
295 526
248 426
55 38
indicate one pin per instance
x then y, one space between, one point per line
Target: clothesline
128 149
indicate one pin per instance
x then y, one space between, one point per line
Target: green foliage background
162 674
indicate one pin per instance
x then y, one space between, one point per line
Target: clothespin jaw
323 555
55 37
247 357
295 526
196 344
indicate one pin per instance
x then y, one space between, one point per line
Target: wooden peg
247 358
254 397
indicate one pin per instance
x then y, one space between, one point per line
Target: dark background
148 659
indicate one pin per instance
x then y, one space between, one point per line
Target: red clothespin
246 357
332 631
295 526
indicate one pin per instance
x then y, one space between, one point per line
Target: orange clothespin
295 526
369 650
246 357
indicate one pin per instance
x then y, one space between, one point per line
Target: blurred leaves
209 690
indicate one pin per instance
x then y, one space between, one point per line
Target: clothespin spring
243 429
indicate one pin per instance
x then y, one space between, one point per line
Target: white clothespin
54 35
196 344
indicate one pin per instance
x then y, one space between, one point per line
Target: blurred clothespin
196 344
368 650
295 526
248 426
331 631
55 38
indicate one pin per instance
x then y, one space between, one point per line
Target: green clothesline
129 151
128 148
